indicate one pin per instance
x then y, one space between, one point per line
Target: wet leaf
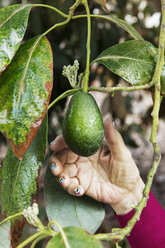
5 235
83 212
13 24
18 177
75 238
25 89
132 60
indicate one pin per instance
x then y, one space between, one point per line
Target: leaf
13 24
75 238
18 177
127 27
25 89
69 210
132 60
5 235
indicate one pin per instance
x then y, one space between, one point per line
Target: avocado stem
87 72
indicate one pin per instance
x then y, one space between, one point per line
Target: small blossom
70 72
31 214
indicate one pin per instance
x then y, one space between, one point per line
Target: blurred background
131 111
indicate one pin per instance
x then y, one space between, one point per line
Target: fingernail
53 166
114 124
77 191
51 142
61 180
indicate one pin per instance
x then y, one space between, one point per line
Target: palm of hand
110 175
99 176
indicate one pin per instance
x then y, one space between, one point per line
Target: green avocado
83 127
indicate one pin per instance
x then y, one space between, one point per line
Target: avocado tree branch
119 233
69 17
86 78
120 88
11 217
63 95
52 8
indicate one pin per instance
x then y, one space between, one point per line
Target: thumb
114 140
58 144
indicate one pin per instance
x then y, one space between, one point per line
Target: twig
120 233
69 17
63 95
86 78
121 88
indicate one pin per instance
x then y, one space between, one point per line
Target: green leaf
69 210
75 238
18 177
127 27
132 60
13 24
25 89
5 235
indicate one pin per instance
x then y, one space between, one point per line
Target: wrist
130 199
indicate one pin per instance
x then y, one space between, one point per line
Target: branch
52 8
120 233
156 77
63 95
86 78
69 17
10 217
121 88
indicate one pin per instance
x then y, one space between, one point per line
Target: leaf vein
121 57
26 68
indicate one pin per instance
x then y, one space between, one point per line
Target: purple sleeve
149 231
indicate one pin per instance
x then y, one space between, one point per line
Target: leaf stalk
44 232
50 7
69 17
10 218
61 231
128 28
63 95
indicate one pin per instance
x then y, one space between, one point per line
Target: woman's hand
110 175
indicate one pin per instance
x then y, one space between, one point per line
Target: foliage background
131 111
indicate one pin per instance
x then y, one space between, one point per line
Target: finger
67 182
71 157
58 144
114 139
105 156
64 181
67 175
75 189
69 170
57 161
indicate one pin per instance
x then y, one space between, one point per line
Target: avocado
83 127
